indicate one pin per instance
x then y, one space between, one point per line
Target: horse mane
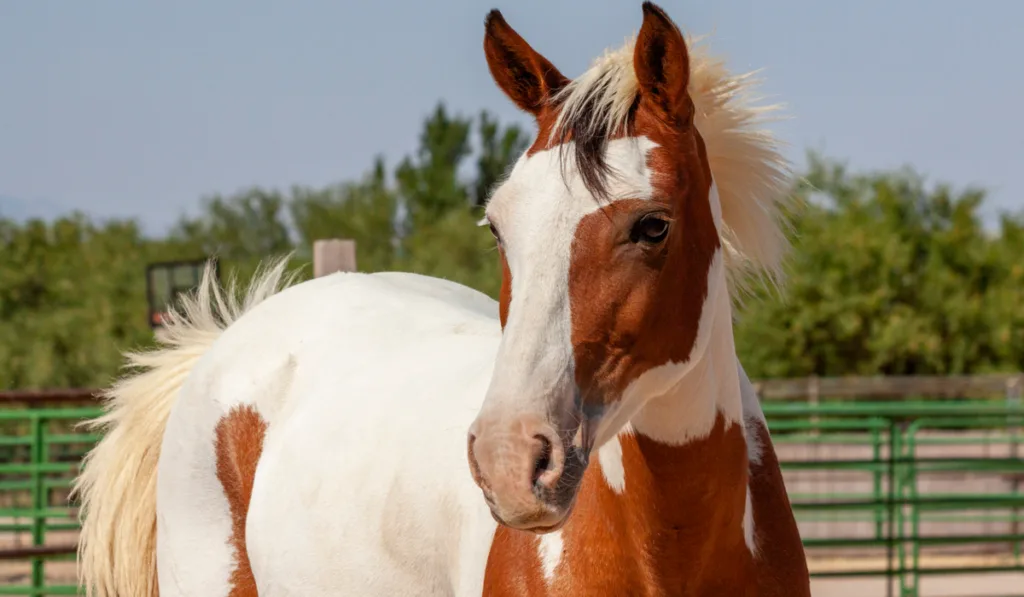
752 176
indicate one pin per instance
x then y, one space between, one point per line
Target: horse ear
526 77
662 64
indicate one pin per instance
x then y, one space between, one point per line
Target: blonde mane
753 178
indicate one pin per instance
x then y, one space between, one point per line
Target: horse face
606 260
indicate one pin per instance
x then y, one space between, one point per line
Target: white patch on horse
537 211
612 468
749 536
550 549
716 206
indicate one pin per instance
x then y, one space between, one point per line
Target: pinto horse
335 437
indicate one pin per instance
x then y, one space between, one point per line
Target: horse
591 432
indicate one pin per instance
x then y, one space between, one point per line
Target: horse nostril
543 461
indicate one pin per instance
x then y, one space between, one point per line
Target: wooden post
333 255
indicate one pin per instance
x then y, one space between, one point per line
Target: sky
139 110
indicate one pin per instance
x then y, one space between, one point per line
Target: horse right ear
526 77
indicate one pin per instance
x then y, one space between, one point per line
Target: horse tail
117 486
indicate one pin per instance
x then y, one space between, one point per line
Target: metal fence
904 489
40 450
900 478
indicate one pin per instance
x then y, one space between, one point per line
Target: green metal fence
905 489
901 489
39 454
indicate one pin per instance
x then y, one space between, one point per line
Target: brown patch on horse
239 445
505 294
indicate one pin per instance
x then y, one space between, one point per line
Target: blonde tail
117 487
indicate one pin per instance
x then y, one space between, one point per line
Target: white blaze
537 212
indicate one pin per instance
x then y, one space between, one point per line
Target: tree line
887 274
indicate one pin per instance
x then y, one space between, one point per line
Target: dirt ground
987 585
993 584
980 585
19 572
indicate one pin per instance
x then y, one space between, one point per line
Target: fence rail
892 387
901 478
79 396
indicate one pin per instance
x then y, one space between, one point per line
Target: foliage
72 296
887 276
363 211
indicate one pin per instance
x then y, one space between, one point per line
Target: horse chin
549 529
537 529
558 525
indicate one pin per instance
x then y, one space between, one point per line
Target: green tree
242 227
440 236
455 248
428 182
499 147
886 277
364 211
72 297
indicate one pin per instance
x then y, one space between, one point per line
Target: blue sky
138 110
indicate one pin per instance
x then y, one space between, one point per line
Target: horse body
361 485
590 433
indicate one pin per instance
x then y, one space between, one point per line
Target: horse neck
708 392
685 465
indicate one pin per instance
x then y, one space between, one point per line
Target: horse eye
494 232
650 229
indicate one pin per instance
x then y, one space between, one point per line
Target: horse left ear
662 65
526 77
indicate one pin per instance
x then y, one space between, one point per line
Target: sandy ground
994 584
989 585
19 572
980 585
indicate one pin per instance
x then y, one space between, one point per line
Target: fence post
333 255
40 503
1013 398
